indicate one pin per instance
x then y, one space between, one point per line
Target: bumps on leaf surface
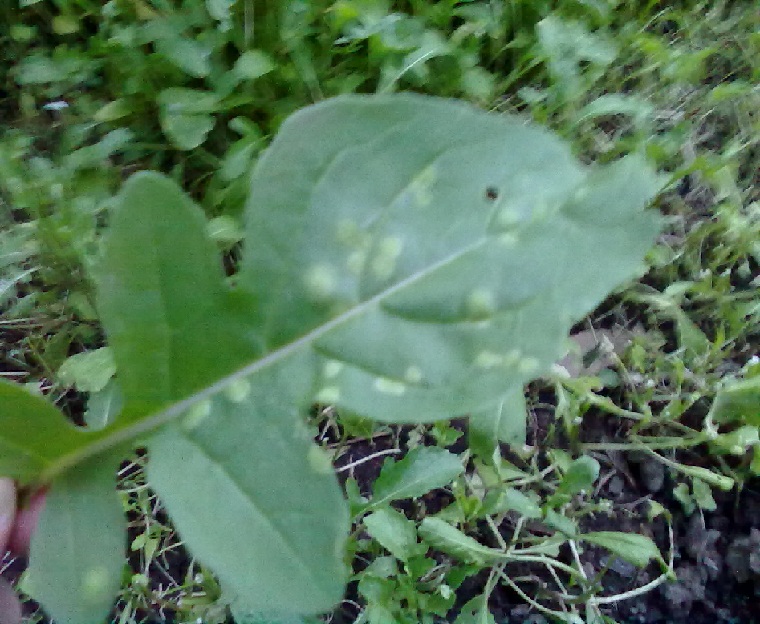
421 234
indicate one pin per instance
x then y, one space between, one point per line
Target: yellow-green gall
385 259
321 282
238 390
389 386
413 375
329 395
480 304
196 415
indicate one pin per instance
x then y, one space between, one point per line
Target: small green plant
406 258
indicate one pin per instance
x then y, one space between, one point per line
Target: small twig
536 605
543 560
516 533
577 557
363 460
496 533
557 580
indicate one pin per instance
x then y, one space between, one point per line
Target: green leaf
117 109
33 433
450 540
608 104
682 495
89 371
755 463
401 350
253 64
690 337
95 155
393 531
561 523
703 495
224 231
220 9
190 56
78 550
185 115
738 401
186 132
505 422
475 611
634 548
182 101
568 46
580 476
172 323
422 470
737 442
38 68
237 162
514 500
379 594
103 407
428 254
254 498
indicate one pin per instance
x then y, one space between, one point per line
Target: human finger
7 511
26 523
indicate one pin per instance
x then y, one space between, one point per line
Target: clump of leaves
406 258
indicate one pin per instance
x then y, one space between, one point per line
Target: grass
96 91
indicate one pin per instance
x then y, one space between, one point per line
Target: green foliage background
91 92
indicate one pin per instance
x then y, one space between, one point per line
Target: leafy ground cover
650 427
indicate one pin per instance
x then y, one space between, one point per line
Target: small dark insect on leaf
492 193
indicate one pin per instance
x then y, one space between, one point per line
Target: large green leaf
406 258
432 256
78 550
33 433
435 256
255 499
